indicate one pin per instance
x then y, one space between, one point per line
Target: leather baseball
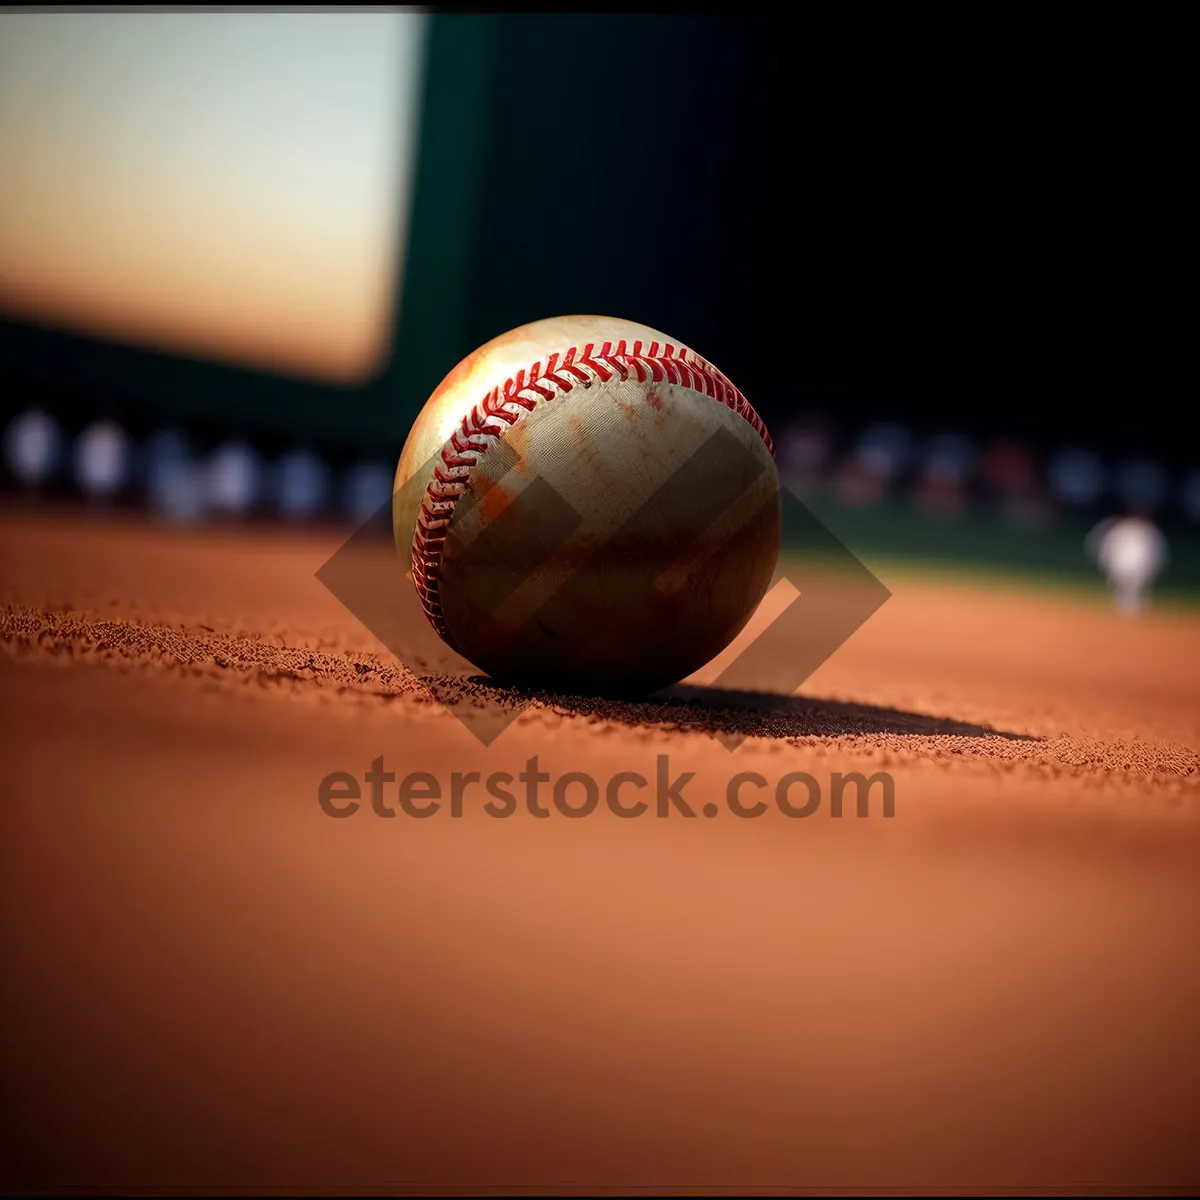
585 502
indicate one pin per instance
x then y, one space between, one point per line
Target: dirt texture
213 985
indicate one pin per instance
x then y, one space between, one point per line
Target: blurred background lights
102 459
803 444
1008 467
802 451
884 449
172 477
1076 477
301 484
32 447
948 458
1141 483
233 478
367 487
1189 495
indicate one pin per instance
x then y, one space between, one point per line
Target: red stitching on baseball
503 406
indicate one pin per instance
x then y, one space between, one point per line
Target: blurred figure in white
32 446
102 459
1131 551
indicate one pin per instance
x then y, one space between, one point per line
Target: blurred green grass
981 545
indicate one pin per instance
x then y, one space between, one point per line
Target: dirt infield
220 987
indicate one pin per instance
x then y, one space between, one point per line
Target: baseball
585 502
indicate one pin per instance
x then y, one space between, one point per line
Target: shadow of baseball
737 714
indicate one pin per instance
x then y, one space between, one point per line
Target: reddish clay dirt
213 986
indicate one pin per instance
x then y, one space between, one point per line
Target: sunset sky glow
234 186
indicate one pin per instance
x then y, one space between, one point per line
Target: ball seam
506 403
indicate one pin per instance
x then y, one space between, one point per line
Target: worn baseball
585 502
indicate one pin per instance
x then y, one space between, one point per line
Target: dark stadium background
857 229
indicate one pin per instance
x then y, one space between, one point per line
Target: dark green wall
566 163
